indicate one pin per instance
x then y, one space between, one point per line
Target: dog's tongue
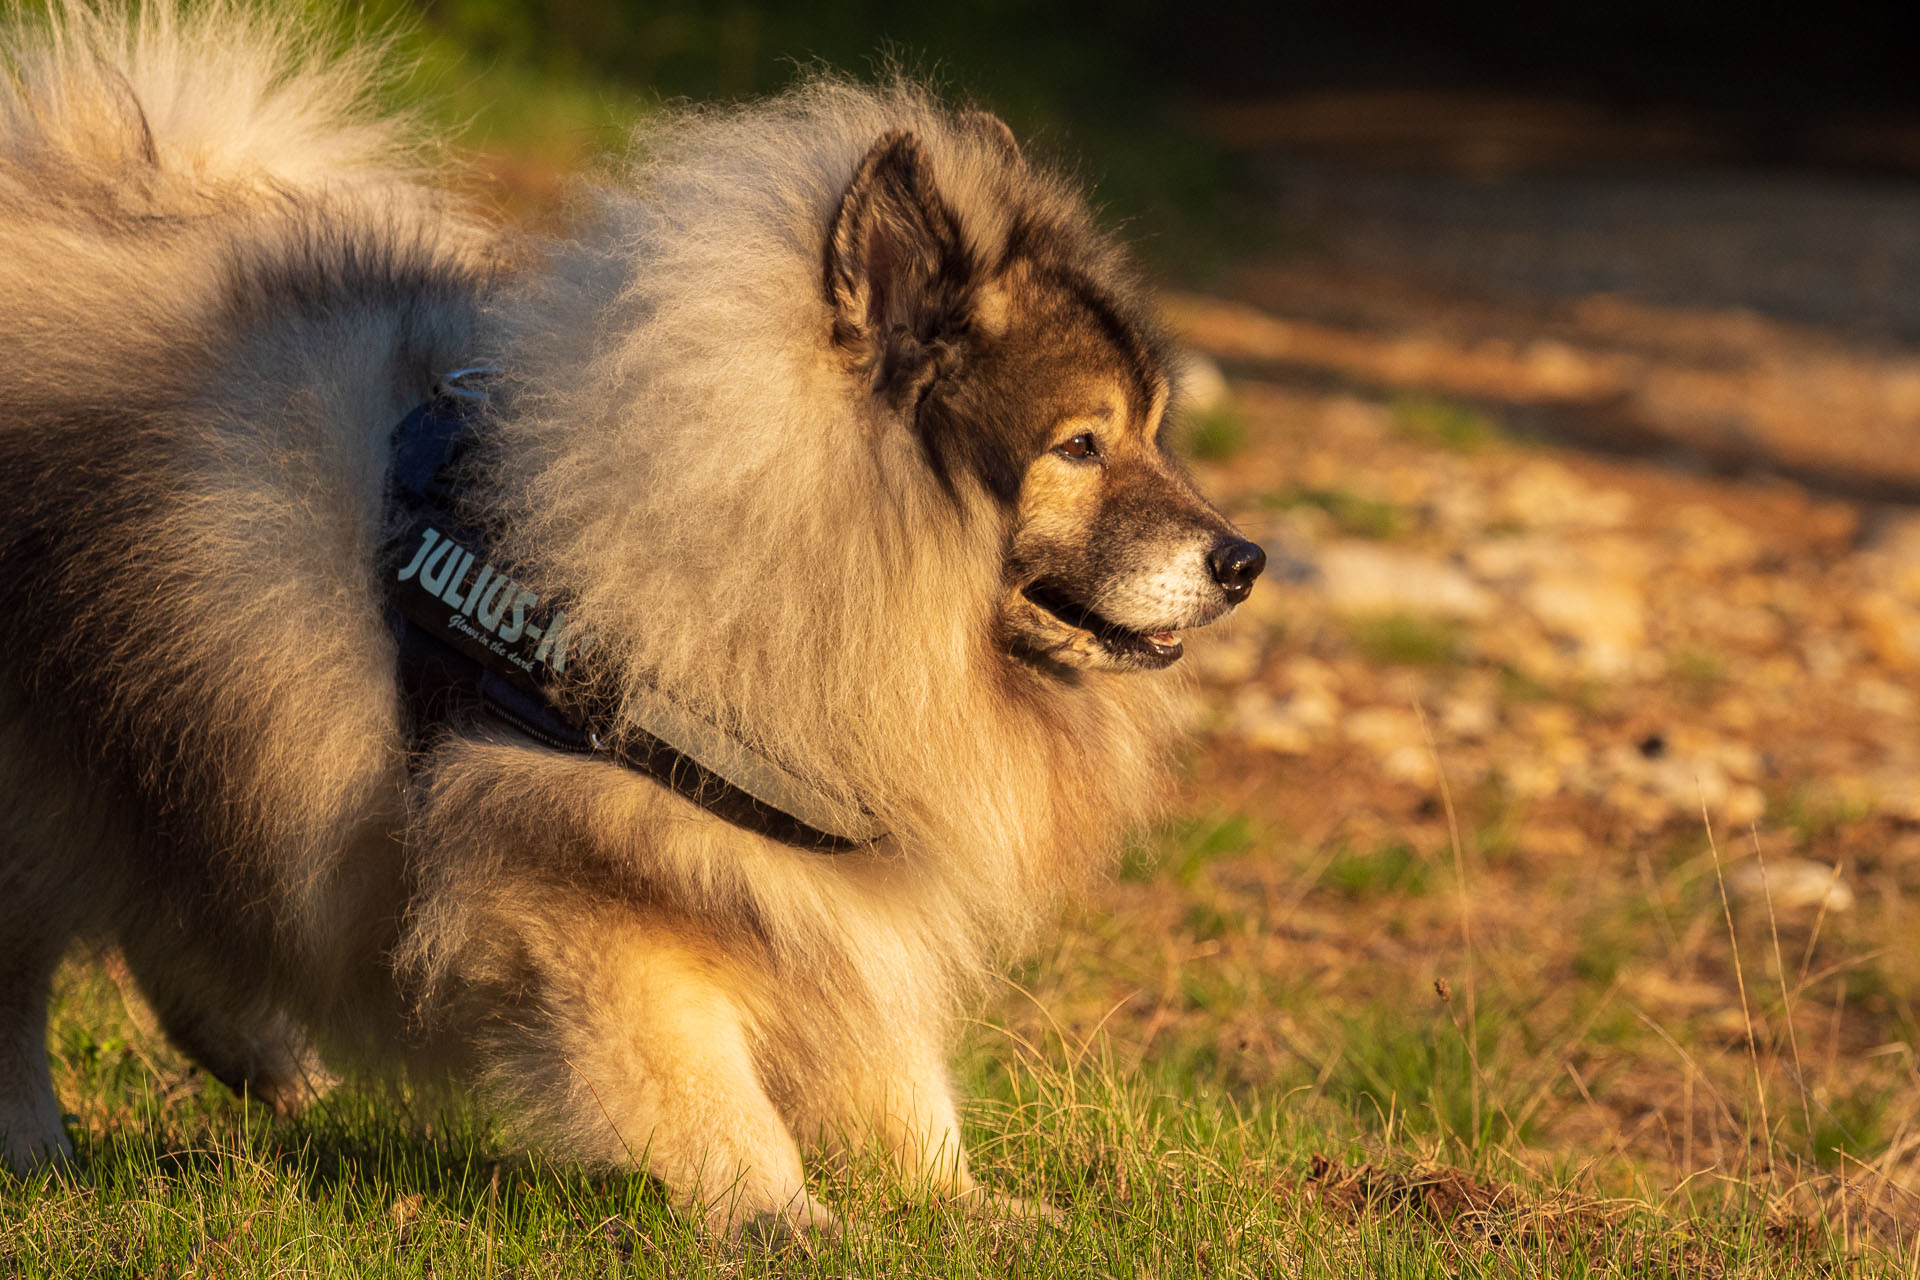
1164 641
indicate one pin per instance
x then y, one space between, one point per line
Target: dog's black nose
1236 563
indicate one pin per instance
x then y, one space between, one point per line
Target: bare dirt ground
1589 507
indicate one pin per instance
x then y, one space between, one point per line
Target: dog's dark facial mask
1028 380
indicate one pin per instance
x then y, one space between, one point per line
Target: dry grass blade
1466 916
1740 979
1786 995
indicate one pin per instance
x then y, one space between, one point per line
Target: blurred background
1563 357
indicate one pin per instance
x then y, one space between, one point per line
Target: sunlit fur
221 283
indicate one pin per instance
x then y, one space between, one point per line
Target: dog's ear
897 270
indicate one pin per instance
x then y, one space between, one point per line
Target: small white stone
1361 578
1605 619
1793 884
1266 724
1883 697
1227 657
1468 718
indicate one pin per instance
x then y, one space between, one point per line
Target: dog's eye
1081 446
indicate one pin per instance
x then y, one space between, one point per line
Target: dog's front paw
978 1202
800 1225
33 1146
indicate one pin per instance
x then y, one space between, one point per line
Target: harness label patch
483 613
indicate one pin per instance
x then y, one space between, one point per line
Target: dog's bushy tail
169 103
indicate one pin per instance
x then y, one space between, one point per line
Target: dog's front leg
902 1105
635 1048
30 1132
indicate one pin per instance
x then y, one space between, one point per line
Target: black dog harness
475 643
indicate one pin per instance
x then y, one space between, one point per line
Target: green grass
1217 435
1812 812
1392 869
1444 424
1601 954
1414 1077
1696 675
1852 1126
1517 686
1398 639
1352 514
1184 846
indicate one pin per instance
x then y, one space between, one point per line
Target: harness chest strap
474 642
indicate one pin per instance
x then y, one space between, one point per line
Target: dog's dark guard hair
832 416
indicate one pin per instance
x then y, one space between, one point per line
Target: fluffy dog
835 420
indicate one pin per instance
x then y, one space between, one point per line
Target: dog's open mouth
1152 649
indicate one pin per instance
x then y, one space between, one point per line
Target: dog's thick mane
741 523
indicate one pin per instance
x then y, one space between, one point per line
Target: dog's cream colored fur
221 282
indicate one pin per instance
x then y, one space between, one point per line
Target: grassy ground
1155 1177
